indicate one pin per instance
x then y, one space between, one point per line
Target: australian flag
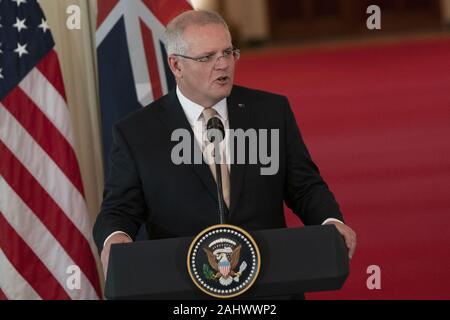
132 61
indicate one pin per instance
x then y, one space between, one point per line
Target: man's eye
227 52
205 58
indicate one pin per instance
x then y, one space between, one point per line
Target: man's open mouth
222 79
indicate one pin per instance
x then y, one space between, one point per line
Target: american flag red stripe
2 295
45 133
44 224
21 257
49 66
43 206
49 213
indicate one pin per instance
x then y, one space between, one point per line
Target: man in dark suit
146 185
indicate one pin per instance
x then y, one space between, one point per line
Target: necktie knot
208 113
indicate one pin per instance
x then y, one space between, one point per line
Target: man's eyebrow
208 53
228 48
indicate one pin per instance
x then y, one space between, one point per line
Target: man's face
206 83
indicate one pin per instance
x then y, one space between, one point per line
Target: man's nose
222 63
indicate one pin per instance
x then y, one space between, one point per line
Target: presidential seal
223 261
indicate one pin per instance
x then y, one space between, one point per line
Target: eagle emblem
224 261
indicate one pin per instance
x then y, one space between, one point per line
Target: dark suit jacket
144 186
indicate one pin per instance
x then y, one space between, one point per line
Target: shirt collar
193 110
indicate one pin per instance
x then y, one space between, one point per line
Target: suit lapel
173 116
239 112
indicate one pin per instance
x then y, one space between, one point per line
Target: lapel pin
241 105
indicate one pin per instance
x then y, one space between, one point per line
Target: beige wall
445 10
205 4
248 17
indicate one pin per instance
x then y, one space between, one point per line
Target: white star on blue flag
23 41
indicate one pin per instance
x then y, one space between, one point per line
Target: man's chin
218 98
224 91
216 94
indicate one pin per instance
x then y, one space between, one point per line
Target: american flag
44 226
131 57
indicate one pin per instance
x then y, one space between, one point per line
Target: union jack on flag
132 65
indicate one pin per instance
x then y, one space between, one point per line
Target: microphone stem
219 187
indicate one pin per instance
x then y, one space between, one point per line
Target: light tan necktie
208 113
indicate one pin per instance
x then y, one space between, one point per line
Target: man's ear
174 64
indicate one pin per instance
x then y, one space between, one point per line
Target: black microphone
215 132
